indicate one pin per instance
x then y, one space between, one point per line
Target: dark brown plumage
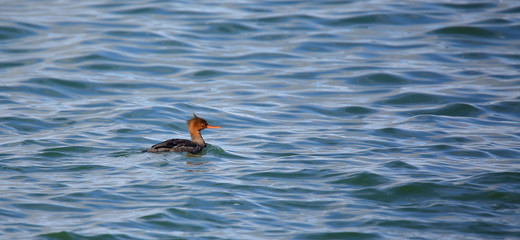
195 125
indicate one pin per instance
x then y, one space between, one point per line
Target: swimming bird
195 125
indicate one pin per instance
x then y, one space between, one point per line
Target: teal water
341 119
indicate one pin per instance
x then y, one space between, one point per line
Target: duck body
195 125
176 145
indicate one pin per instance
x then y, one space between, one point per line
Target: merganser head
198 124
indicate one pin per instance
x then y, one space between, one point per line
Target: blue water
341 119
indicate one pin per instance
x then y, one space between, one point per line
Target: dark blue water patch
299 27
495 22
48 207
168 43
157 114
429 76
69 235
52 155
6 100
11 33
97 41
300 75
202 202
314 47
255 9
146 70
452 110
36 90
362 235
511 109
408 192
336 112
247 93
471 73
379 79
511 10
136 86
437 209
5 168
507 180
269 20
227 28
195 215
132 34
98 56
397 164
468 7
504 153
362 69
288 192
294 205
510 57
11 214
470 229
321 141
361 179
141 50
21 51
32 25
21 228
277 146
26 125
382 19
272 37
107 196
144 11
246 121
385 47
166 224
206 74
97 105
30 143
71 149
468 154
20 63
302 174
107 24
469 94
473 56
151 10
87 168
108 5
329 46
413 98
442 58
402 133
67 88
217 64
268 56
59 83
327 36
488 196
466 31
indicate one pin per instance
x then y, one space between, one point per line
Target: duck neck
196 137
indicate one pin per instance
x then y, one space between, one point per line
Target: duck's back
175 145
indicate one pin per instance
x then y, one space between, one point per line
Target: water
341 119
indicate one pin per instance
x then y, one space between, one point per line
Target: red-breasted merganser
195 125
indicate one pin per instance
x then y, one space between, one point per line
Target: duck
193 146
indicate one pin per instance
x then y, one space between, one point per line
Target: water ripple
340 119
382 19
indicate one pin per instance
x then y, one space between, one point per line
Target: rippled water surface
341 119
